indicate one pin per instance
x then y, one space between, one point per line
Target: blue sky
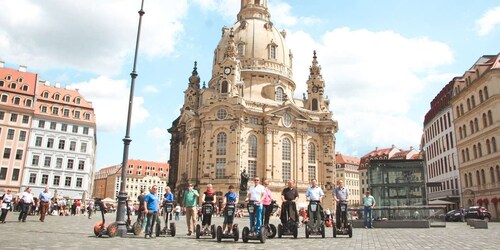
383 61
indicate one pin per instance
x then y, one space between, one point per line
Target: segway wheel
219 234
137 227
158 229
112 229
272 231
295 231
280 230
236 232
172 229
212 231
334 232
350 231
263 234
97 228
198 231
244 234
307 231
323 231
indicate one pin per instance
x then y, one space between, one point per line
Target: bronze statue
244 180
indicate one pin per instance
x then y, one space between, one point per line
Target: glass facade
397 182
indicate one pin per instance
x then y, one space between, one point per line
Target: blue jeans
257 215
368 220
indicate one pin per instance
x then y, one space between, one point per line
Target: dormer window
20 79
13 85
8 78
67 98
45 94
2 83
56 96
43 109
77 100
55 110
25 88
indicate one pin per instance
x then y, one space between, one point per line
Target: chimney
2 64
22 68
58 85
47 83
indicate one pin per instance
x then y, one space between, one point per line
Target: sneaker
366 227
188 234
147 236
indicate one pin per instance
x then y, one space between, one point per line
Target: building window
41 124
314 104
67 182
50 143
17 100
70 164
79 182
67 98
76 114
221 114
66 112
286 157
77 100
61 144
81 165
272 52
287 120
46 162
2 115
13 117
64 127
56 96
85 130
32 179
10 134
286 173
241 49
75 129
86 116
6 153
220 168
19 154
26 119
28 102
4 98
45 179
3 174
13 85
224 87
22 135
15 174
53 125
57 180
252 146
59 162
312 172
252 169
72 146
83 147
55 110
38 141
221 143
311 152
279 94
35 160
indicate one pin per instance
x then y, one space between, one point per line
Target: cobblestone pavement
77 233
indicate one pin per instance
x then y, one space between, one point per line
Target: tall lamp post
122 195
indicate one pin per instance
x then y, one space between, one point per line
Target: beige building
476 106
247 118
347 170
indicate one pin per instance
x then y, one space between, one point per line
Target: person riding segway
341 196
228 229
269 208
167 207
316 217
289 216
254 205
207 209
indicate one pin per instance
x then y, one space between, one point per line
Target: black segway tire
323 231
295 231
307 231
280 230
213 232
136 228
244 234
158 229
198 231
350 231
236 232
272 231
263 234
219 234
172 229
334 232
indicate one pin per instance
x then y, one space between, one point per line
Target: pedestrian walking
190 201
177 211
26 201
6 204
90 207
368 203
44 198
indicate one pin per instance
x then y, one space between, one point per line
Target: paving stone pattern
77 233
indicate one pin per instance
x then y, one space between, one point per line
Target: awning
479 201
440 202
494 200
486 201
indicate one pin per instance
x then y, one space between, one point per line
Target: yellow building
246 119
347 170
476 107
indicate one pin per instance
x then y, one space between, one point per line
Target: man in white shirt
315 194
26 200
256 195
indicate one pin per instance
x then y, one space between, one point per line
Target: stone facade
247 119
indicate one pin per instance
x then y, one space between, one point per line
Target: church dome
259 45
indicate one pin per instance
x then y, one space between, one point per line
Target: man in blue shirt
44 197
168 198
151 205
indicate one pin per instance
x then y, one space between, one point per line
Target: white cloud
285 18
110 101
157 133
94 36
373 79
486 24
160 142
226 8
150 89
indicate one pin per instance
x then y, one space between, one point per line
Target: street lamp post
122 195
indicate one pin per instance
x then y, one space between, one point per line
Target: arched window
470 179
25 87
279 94
252 146
486 95
478 178
28 102
492 174
465 131
224 87
221 143
493 144
481 96
461 109
311 153
471 124
488 146
467 154
466 181
77 100
17 100
45 94
13 85
490 118
476 124
460 132
314 104
286 157
458 112
241 49
67 98
498 172
474 150
483 177
473 101
479 149
468 104
485 121
56 96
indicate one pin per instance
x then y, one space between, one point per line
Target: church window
280 94
220 168
252 146
311 152
221 114
241 49
314 105
252 169
221 143
286 157
224 87
287 120
272 52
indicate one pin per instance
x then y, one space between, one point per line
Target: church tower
247 119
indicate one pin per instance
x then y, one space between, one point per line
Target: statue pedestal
242 196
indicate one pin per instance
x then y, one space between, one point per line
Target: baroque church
247 119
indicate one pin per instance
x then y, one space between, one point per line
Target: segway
290 227
249 233
134 228
315 225
167 230
100 228
235 232
206 210
271 228
345 226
